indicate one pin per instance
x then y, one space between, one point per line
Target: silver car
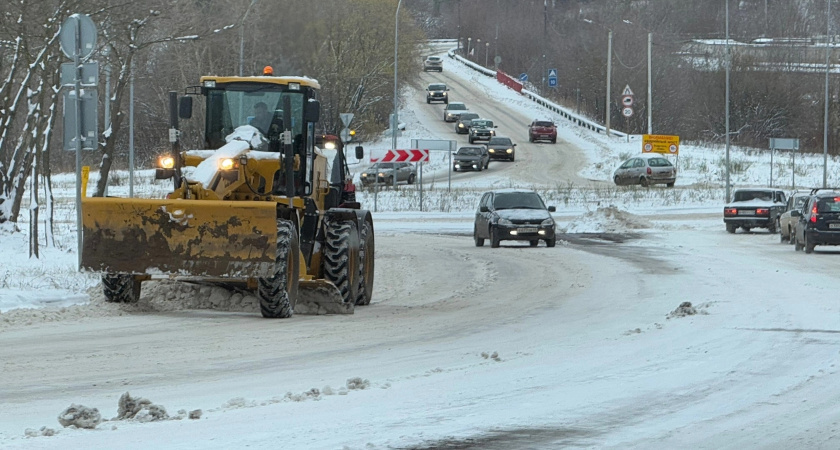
795 202
384 173
646 169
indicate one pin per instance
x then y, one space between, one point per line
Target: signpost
523 77
660 143
412 155
791 144
627 101
552 77
77 39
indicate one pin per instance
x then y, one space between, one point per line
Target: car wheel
809 247
790 236
615 180
773 226
530 139
550 242
446 102
644 182
731 228
411 178
494 238
454 169
782 236
471 140
479 242
670 185
512 158
534 243
428 101
554 141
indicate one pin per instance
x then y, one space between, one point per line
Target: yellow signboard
661 143
85 174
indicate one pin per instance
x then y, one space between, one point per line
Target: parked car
384 172
453 110
471 158
437 92
513 215
481 130
542 130
501 147
754 208
462 125
433 63
646 169
787 222
819 221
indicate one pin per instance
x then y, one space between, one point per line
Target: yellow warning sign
661 143
85 174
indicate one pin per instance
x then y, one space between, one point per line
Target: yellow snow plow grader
269 206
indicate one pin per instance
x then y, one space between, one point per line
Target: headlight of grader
166 162
226 164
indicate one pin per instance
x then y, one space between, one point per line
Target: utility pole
609 74
727 62
394 125
827 70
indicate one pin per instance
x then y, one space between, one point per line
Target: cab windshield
518 200
239 104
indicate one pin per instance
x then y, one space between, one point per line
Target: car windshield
434 58
518 200
437 87
468 151
458 106
742 196
482 123
541 123
659 162
468 116
500 141
379 166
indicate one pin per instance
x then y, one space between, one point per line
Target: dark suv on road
819 220
437 92
481 130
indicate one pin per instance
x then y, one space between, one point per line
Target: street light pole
486 52
827 70
727 62
650 86
469 45
242 37
396 47
609 74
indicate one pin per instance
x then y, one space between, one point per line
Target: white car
786 223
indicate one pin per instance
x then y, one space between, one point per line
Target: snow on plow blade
317 297
206 238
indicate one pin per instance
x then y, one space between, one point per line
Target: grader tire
341 258
120 288
279 292
364 289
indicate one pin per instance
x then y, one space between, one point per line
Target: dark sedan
501 147
513 215
471 158
462 125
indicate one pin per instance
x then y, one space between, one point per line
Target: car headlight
460 125
364 175
510 150
444 94
547 223
505 222
381 174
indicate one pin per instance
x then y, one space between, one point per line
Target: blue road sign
552 73
523 77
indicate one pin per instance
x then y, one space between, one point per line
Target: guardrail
563 112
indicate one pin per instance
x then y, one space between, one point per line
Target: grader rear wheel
364 290
341 258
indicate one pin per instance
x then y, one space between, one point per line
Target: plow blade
320 297
204 238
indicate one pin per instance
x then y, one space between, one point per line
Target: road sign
89 118
523 77
413 155
784 143
345 135
627 100
90 74
627 111
77 32
552 82
497 60
627 91
658 143
552 73
346 118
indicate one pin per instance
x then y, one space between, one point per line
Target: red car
542 130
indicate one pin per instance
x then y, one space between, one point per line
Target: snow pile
686 309
139 409
608 219
43 431
80 416
169 295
